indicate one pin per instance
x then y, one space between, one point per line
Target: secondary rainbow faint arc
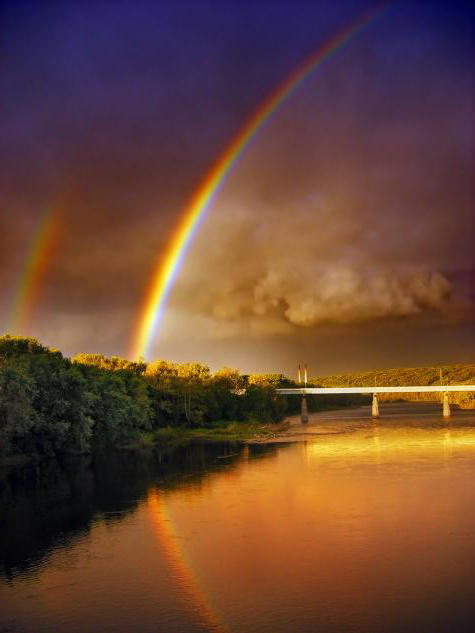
34 267
168 266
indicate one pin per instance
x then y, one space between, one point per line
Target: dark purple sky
344 237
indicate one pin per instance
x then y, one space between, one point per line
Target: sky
344 236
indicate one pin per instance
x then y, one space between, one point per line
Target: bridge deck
345 390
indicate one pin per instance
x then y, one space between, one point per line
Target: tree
17 415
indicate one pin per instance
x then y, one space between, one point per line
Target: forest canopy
51 404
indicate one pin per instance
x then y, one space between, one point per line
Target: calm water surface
357 527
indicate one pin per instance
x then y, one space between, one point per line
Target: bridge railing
371 390
445 389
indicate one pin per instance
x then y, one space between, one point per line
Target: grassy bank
218 432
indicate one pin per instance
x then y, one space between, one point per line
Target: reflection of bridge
445 389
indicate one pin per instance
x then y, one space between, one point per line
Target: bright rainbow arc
34 268
168 267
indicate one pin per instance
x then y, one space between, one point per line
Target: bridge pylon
446 405
375 407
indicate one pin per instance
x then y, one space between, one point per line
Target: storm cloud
352 208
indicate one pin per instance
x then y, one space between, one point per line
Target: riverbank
247 432
226 432
251 432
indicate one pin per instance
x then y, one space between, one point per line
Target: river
350 525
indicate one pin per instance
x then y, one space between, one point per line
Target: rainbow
168 266
35 265
180 567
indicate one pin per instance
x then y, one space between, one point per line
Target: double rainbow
168 266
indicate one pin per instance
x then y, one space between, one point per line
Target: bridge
445 389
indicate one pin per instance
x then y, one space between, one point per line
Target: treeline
51 404
445 375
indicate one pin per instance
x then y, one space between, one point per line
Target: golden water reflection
379 444
352 531
363 527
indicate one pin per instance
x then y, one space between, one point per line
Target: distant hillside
407 376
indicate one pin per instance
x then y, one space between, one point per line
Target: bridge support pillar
446 405
304 417
375 407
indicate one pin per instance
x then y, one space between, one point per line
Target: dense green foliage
51 404
445 375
